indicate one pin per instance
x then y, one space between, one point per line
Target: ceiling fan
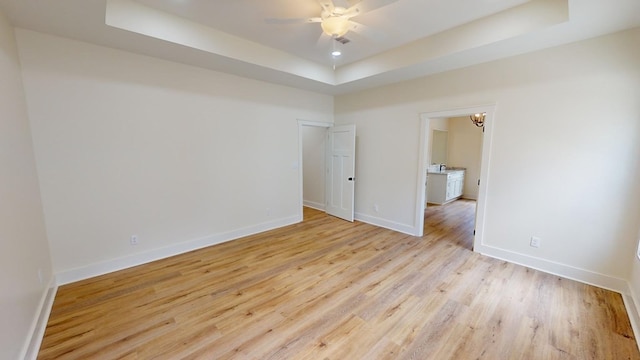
335 21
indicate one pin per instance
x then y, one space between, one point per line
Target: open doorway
454 159
327 157
465 150
312 143
313 165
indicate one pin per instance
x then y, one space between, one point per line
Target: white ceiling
415 37
398 23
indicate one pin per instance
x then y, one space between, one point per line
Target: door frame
481 202
301 124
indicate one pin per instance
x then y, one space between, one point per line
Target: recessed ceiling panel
418 37
391 26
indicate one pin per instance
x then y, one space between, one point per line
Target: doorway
455 154
426 139
313 148
311 157
327 161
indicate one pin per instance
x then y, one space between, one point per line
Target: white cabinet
445 186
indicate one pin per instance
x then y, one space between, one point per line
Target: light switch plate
535 242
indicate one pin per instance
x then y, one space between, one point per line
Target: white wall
566 138
465 150
435 124
634 284
313 157
182 157
24 250
127 144
633 306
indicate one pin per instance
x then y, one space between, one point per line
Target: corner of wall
632 304
584 276
39 324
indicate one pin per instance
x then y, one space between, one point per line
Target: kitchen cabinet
445 186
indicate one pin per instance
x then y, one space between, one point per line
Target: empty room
318 179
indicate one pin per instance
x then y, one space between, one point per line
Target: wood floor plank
329 289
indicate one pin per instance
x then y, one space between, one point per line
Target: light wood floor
329 289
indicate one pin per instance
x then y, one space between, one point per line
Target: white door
340 162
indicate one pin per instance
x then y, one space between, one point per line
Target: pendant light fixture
478 119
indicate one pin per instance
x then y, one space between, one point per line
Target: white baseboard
314 205
584 276
633 310
32 346
39 324
563 270
89 271
391 225
551 267
632 304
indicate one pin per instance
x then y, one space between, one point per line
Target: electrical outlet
268 211
535 242
376 208
134 240
40 276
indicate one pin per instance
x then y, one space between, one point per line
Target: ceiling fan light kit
335 21
335 26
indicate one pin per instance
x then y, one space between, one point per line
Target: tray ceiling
412 38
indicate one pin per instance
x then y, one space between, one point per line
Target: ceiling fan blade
327 5
366 31
293 21
364 6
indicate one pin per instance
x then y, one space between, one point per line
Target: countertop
447 171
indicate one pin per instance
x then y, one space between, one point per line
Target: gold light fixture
478 119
